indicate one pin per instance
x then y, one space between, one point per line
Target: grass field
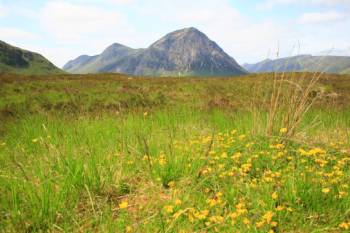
113 153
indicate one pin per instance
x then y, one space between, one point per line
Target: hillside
328 64
186 52
19 61
346 71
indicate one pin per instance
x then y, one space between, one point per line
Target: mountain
186 52
80 61
115 58
19 61
328 64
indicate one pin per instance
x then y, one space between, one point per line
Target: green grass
72 150
346 71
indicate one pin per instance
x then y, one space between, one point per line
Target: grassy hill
346 71
115 153
19 61
302 63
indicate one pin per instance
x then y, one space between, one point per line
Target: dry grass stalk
291 98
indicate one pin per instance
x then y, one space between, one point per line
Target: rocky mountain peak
186 51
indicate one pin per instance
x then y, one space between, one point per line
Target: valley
119 153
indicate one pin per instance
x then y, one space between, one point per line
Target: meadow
115 153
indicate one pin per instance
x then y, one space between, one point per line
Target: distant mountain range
186 52
19 61
327 64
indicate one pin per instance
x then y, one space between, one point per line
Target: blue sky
248 30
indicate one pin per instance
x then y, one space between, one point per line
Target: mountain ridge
20 61
301 63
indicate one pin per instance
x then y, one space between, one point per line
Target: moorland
118 153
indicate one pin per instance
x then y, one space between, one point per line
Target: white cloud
335 52
120 2
57 55
333 2
320 17
82 29
268 4
2 11
71 23
13 35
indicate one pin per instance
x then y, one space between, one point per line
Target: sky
248 30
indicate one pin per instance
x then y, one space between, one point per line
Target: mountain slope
99 63
185 52
78 62
328 64
19 61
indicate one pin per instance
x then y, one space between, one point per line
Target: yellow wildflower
326 190
233 131
277 146
212 202
283 130
201 215
178 202
130 162
123 205
246 221
274 196
216 219
273 224
342 194
35 140
162 161
260 224
169 209
345 226
171 184
218 194
268 216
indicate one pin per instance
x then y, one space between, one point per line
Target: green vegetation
303 63
346 71
112 153
19 61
